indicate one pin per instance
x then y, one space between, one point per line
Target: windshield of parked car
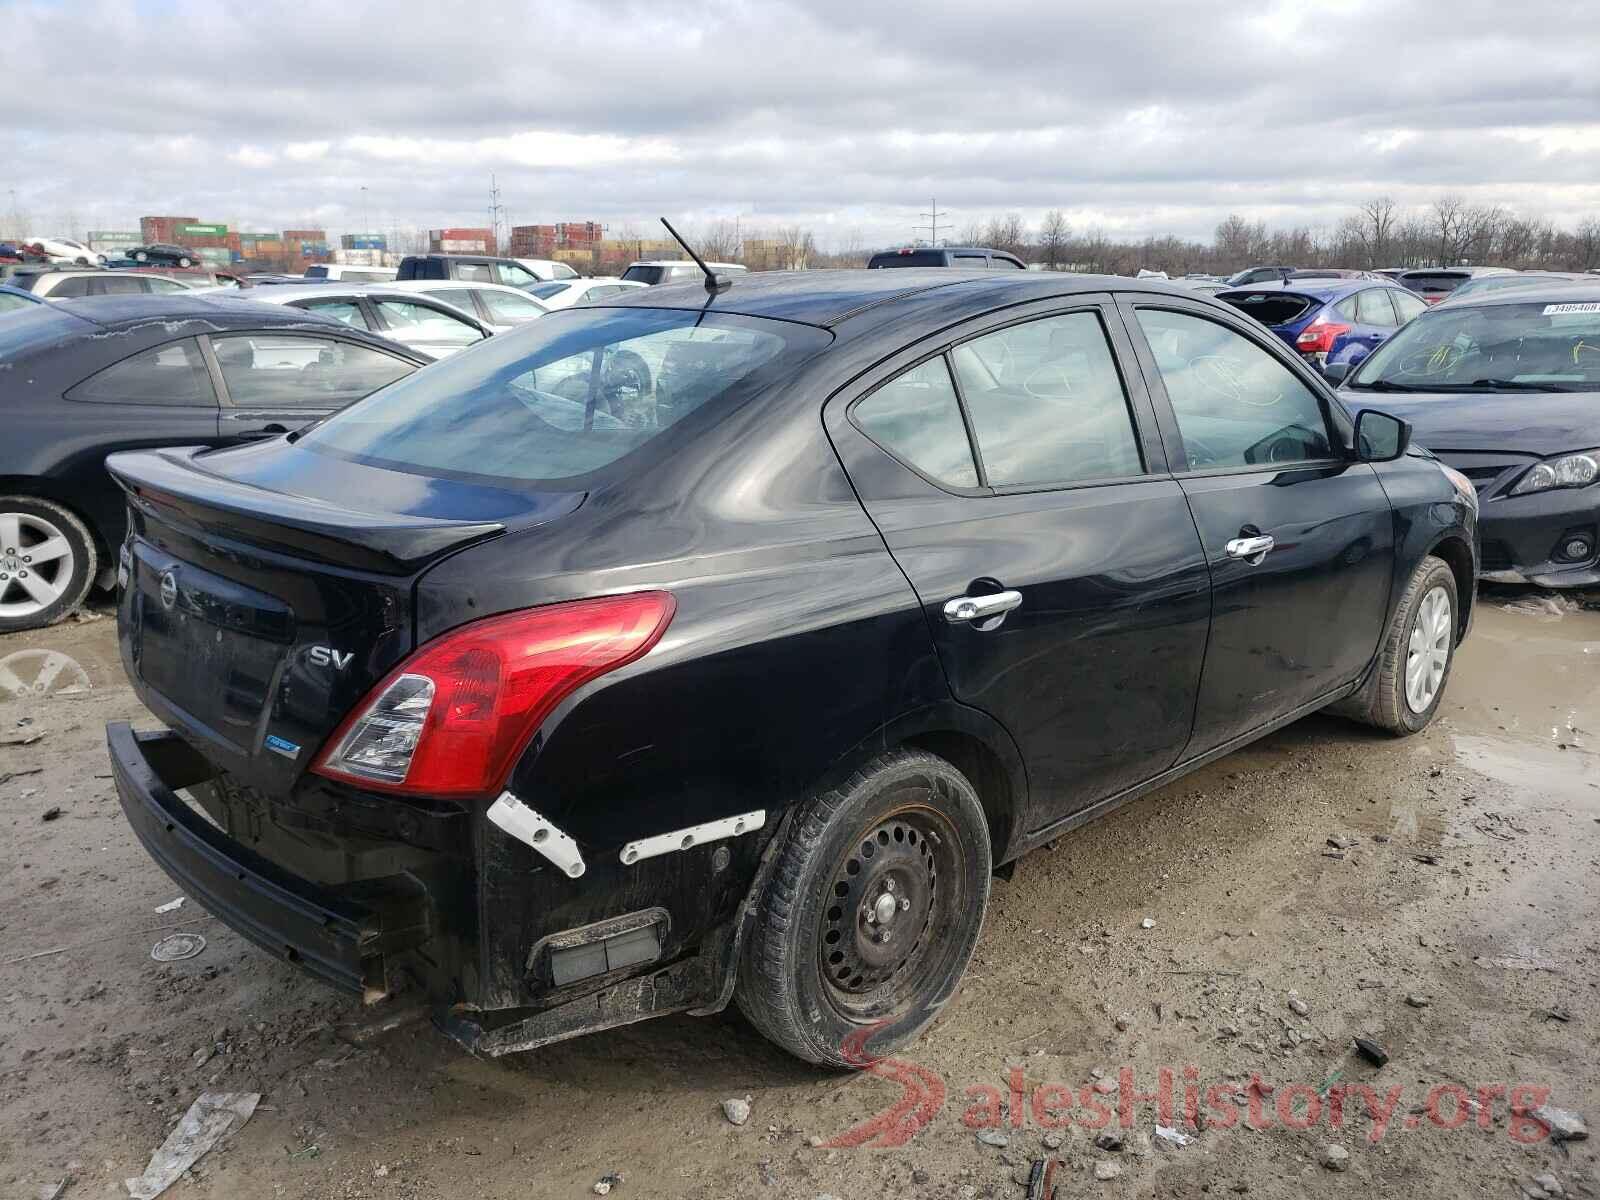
1536 346
562 397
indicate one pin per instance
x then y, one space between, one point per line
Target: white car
663 270
67 250
564 293
419 322
497 305
351 273
548 268
73 283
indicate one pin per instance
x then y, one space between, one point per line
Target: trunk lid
254 616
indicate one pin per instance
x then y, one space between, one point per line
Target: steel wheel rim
1428 648
910 860
36 564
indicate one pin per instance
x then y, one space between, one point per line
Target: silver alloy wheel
1428 649
36 564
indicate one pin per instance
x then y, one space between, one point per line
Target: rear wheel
1415 658
47 562
872 912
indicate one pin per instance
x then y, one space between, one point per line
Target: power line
932 218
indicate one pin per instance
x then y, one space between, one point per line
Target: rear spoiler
169 485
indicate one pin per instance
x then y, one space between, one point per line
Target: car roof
16 291
220 309
437 285
332 290
828 298
1322 286
1570 292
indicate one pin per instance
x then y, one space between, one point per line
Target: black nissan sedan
82 378
718 645
1506 388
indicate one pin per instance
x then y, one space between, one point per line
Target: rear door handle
1251 549
964 609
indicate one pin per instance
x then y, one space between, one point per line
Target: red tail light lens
1319 336
452 719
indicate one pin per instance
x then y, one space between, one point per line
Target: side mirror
1381 437
1337 373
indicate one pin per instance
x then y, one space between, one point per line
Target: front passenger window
1236 404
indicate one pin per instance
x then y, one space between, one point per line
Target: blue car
1329 320
13 299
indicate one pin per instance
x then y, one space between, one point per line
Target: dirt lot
1461 872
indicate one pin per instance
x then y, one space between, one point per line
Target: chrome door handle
1251 549
980 608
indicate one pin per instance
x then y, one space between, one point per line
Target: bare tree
1376 223
1006 233
1586 243
1054 235
970 234
718 240
797 247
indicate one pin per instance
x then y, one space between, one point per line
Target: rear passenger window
71 288
916 418
1373 307
1047 404
275 370
174 374
1236 404
473 272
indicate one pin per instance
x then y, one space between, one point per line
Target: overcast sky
1135 116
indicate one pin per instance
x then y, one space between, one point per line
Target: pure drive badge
279 746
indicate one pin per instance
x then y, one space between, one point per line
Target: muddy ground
1465 879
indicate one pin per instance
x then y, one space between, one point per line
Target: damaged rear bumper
339 941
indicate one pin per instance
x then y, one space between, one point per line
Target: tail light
1319 336
453 718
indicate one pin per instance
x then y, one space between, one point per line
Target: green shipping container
204 230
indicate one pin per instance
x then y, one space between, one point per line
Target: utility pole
366 212
495 210
932 218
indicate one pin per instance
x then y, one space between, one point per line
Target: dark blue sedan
1329 320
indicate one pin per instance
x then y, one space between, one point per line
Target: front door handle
1251 549
981 609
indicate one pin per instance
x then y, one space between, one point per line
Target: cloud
1148 118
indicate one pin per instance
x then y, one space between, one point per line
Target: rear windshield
912 258
650 275
40 325
1538 346
1433 283
316 272
545 290
1271 308
561 398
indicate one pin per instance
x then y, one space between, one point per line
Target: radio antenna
714 283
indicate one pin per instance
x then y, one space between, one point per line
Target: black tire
185 261
71 578
849 854
1384 703
140 256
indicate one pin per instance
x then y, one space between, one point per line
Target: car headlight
1463 485
1570 470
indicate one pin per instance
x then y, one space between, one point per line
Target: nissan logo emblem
169 589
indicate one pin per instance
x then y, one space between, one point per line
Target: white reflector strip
694 835
522 823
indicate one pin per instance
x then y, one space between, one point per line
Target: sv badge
327 656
